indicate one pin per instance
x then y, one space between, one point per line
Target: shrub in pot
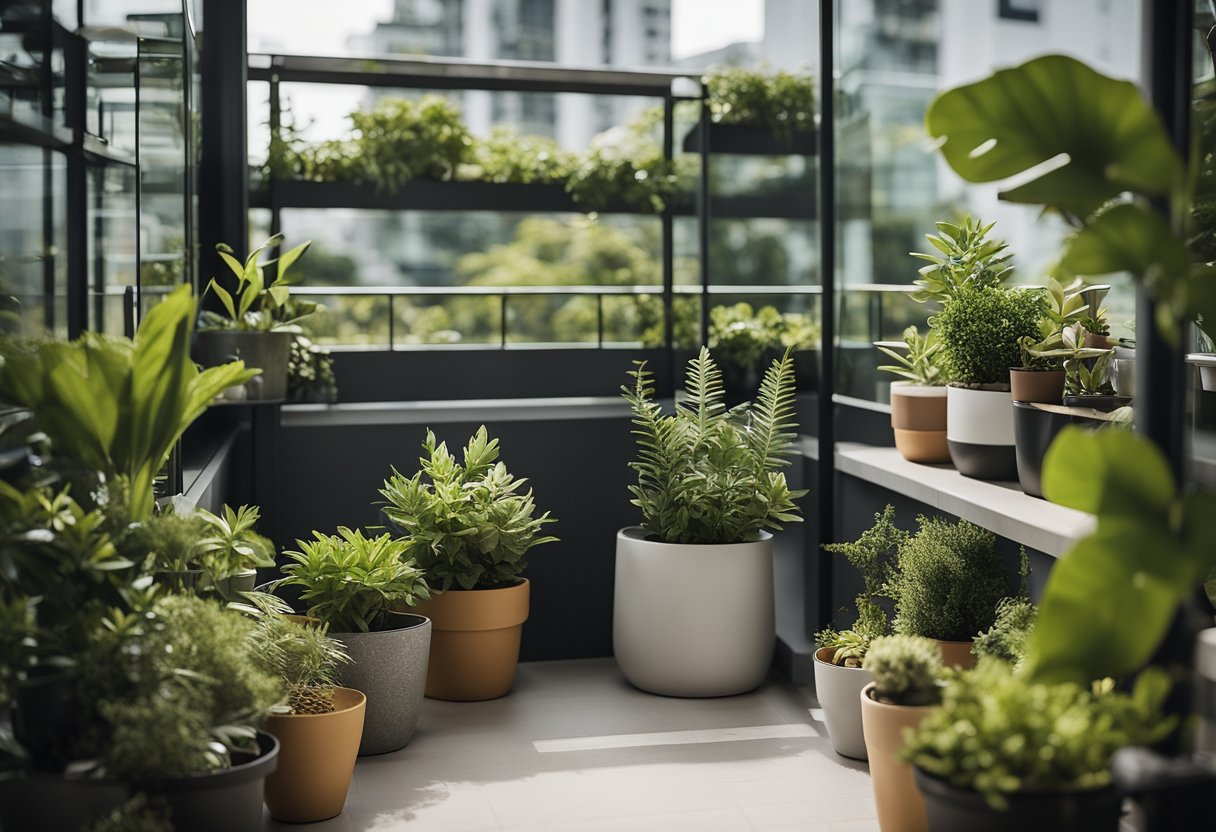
979 757
904 692
918 399
1006 639
469 525
318 725
710 486
839 662
352 583
254 326
947 585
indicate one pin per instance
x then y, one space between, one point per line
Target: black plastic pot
951 809
1104 403
230 800
267 351
1034 430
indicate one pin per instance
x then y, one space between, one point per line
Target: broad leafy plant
965 256
1109 600
1062 329
231 544
117 406
467 523
707 475
255 305
1090 378
352 582
920 360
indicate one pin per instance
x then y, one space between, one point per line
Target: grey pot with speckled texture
389 666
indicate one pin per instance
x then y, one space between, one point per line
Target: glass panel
112 246
32 272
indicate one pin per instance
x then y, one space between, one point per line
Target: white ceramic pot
979 432
693 620
839 692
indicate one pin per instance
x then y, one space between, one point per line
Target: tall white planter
693 620
838 690
979 431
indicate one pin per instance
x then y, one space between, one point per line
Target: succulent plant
905 669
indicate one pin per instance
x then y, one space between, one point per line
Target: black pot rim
941 787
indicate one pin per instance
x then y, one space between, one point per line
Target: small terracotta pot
316 759
475 641
918 417
897 800
1045 386
956 654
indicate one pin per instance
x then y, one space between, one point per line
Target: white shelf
1000 507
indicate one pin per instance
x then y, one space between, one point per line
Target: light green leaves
919 361
253 305
966 256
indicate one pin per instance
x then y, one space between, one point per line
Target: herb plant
965 256
905 670
994 727
919 363
255 306
352 582
948 581
1006 639
465 522
980 328
231 545
707 475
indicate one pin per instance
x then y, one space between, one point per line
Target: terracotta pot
956 654
899 804
317 755
475 644
918 417
838 690
980 429
1046 386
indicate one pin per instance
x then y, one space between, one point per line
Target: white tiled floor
574 748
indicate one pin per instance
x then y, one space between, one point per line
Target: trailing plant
905 670
980 330
352 582
254 305
965 257
303 656
873 555
920 361
466 523
1006 639
995 725
310 373
1089 378
782 101
947 582
116 406
707 475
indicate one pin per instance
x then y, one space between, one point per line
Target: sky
310 26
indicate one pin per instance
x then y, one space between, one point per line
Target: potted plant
904 692
1006 639
918 399
840 673
231 552
352 583
947 584
1012 785
710 486
469 525
318 725
1088 384
1061 335
980 329
253 326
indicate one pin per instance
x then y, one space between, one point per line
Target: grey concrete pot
389 667
267 351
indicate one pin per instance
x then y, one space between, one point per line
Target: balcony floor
575 748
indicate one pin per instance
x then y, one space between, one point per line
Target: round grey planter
839 692
389 667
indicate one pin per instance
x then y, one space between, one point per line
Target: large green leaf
1107 471
1126 238
1101 135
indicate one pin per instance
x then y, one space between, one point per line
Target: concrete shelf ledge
1000 507
465 410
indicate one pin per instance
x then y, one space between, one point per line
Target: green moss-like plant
1006 639
905 670
980 330
949 581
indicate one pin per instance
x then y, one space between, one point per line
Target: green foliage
874 555
707 475
1000 733
1109 600
254 305
117 406
352 582
1089 379
166 542
231 545
136 815
905 669
626 163
920 361
466 523
948 581
782 101
1006 640
965 257
310 373
740 337
303 656
1062 328
980 330
505 156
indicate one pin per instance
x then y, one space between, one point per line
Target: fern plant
707 475
469 527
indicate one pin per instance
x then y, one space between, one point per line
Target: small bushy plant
230 545
302 655
707 475
466 523
980 328
1000 734
626 163
352 582
905 670
1006 639
948 581
310 373
505 156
